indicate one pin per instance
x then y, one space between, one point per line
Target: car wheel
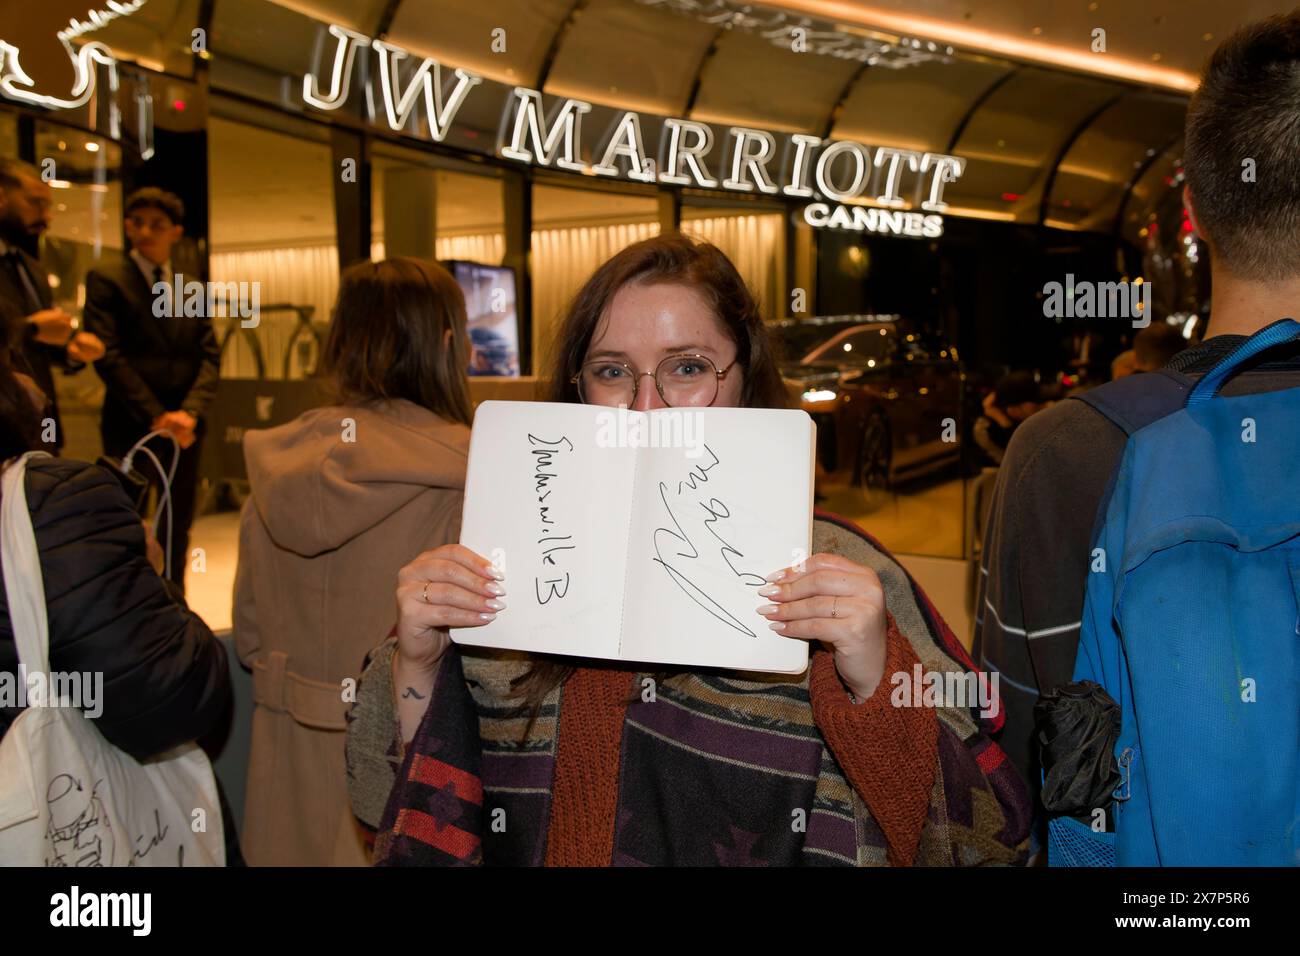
874 453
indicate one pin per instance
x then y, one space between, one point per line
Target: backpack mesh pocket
1071 843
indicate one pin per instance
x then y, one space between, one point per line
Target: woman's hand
842 604
450 586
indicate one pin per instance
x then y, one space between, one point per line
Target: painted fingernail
770 591
494 588
493 573
487 617
777 625
767 608
774 576
494 604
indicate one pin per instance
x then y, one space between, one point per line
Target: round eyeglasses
682 380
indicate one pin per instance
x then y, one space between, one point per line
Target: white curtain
756 245
562 260
299 276
488 248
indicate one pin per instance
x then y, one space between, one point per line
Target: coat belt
311 703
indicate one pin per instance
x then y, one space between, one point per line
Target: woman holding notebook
510 758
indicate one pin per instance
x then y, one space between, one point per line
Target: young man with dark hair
160 370
1242 161
38 334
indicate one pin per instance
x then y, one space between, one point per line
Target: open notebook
639 536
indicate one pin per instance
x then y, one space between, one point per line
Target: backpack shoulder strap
1135 401
1130 404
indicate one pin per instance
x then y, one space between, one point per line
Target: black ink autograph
715 510
544 458
159 834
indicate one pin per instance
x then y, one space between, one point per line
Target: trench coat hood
316 491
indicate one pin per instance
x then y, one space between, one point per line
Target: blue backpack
1191 623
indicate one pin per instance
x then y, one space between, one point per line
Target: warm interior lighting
614 100
971 213
1034 50
330 12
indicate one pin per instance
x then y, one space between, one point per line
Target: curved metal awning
1044 146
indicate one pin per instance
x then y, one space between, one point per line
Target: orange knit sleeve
889 754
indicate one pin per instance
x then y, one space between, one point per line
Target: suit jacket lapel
41 279
141 296
12 297
40 284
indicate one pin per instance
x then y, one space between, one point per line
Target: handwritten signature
153 840
544 457
716 510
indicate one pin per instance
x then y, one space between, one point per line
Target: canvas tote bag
67 796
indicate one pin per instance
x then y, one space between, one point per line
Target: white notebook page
722 498
707 529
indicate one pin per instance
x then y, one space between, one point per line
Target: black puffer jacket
165 676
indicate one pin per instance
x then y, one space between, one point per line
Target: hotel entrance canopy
1058 129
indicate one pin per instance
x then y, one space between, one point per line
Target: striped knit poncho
699 768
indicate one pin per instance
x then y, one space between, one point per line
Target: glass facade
297 187
272 222
419 207
574 231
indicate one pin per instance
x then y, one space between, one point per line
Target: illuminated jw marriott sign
810 168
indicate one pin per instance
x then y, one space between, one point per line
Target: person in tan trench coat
342 497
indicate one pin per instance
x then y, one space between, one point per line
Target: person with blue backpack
1190 626
1141 581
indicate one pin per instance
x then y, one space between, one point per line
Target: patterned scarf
712 767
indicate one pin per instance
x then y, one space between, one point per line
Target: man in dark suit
160 366
37 335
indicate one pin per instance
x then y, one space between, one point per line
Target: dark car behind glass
885 398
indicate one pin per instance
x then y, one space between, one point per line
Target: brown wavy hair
387 338
671 259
